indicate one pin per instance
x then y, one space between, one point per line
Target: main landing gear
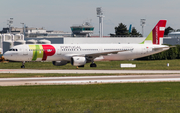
93 64
81 66
23 66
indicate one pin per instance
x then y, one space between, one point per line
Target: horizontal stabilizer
160 48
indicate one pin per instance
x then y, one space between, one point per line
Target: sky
59 15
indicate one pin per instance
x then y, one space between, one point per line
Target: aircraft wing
92 56
103 53
160 48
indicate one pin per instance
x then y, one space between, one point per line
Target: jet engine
78 61
60 63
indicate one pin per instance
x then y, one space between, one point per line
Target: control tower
83 30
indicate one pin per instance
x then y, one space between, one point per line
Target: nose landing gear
23 66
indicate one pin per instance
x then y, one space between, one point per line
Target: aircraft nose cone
7 56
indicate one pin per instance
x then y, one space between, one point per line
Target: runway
77 71
89 80
146 76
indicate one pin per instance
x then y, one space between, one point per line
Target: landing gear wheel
93 65
22 66
81 66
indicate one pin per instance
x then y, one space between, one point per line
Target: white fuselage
60 52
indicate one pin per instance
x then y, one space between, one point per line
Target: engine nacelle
78 61
60 63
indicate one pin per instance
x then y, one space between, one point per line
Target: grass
21 75
110 65
97 98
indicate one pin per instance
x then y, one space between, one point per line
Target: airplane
80 54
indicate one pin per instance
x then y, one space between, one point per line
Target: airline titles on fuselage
70 47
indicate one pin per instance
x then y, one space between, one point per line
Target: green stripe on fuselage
34 52
37 51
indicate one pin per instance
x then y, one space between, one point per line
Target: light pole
100 15
143 21
10 23
23 25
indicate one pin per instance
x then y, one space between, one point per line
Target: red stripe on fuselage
49 50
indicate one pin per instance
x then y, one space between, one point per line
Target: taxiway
88 71
145 76
88 79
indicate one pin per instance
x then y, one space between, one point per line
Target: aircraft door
25 51
143 50
59 51
100 49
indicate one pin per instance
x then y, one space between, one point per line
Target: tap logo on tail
156 33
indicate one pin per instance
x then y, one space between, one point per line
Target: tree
112 35
134 32
121 30
173 53
167 30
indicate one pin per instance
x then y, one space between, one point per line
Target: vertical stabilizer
156 35
130 28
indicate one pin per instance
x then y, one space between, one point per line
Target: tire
81 66
23 66
93 65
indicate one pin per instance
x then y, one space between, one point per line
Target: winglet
156 34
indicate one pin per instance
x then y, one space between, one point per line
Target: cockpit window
13 49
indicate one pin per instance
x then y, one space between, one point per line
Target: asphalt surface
153 76
88 71
89 80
